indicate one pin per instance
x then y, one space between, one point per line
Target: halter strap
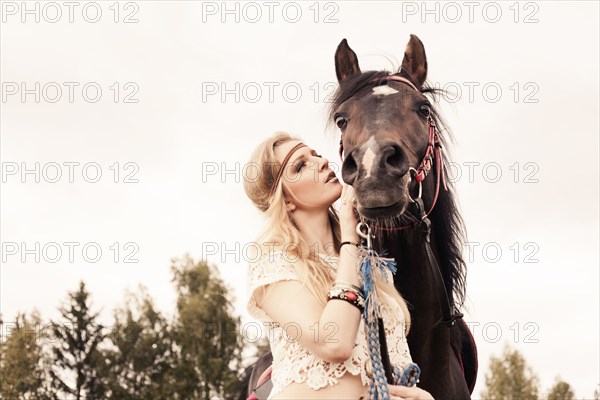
401 79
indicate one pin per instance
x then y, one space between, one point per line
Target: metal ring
410 180
366 236
368 368
360 232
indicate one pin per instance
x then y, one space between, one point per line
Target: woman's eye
425 110
302 163
341 122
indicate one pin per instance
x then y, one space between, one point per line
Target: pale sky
180 98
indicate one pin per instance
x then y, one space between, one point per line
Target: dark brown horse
385 130
385 124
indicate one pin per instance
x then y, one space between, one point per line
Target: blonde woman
319 346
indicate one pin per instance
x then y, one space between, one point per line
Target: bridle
434 149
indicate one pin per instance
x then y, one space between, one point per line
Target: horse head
385 120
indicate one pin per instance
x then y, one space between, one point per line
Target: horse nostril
349 169
393 159
394 156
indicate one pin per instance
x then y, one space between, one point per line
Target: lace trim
268 269
293 363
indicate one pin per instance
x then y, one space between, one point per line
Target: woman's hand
408 393
348 220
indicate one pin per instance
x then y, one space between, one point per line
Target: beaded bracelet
348 284
358 291
351 296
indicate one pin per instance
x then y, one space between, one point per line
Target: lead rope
372 264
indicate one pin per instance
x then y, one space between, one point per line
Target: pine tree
75 350
22 361
138 366
206 332
561 391
510 378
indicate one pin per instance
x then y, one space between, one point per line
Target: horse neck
429 348
414 278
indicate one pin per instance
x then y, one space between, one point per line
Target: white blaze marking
369 156
383 90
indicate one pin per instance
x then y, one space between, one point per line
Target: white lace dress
291 361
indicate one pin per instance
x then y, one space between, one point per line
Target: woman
319 346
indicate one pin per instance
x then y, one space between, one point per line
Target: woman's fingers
412 393
348 218
349 191
347 194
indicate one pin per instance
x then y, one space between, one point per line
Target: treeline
142 355
195 355
510 378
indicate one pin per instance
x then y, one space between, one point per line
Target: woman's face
307 179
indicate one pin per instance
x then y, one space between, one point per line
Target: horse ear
414 64
346 62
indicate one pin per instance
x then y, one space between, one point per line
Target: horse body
388 128
430 345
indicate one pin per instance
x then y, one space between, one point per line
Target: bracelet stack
347 292
349 286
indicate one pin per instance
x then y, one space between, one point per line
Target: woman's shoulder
267 255
271 264
274 256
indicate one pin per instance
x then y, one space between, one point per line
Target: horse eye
341 122
425 110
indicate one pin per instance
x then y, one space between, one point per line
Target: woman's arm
330 331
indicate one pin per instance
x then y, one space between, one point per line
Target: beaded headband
282 167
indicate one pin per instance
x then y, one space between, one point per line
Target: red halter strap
434 150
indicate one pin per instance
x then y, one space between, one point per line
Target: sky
125 129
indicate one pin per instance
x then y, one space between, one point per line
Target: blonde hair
281 233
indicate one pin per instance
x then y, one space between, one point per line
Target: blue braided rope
378 387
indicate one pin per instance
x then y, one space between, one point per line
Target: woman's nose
325 164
